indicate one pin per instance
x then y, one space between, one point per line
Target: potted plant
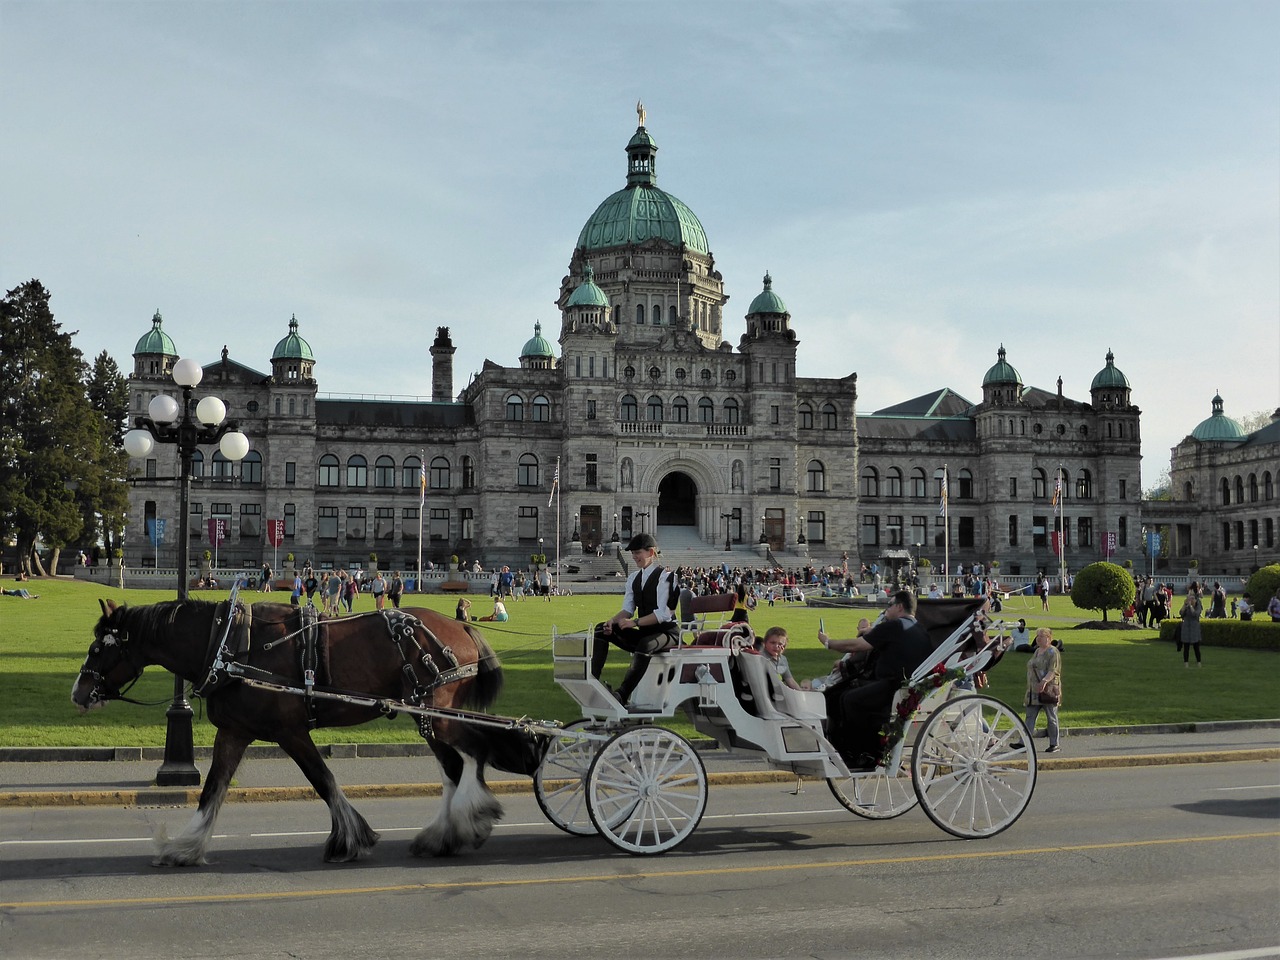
925 563
995 564
373 562
118 554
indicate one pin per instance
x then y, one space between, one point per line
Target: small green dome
156 340
538 345
1219 426
293 347
767 301
1109 378
1002 372
588 294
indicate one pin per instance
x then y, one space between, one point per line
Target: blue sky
924 181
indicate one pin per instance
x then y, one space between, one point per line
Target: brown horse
445 663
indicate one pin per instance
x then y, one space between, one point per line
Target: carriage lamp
171 422
727 518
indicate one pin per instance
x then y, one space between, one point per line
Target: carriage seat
703 620
771 698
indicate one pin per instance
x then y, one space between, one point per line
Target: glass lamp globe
211 410
187 373
163 408
138 443
234 445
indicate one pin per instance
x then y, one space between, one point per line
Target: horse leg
468 808
188 847
351 836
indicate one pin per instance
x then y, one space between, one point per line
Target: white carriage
967 759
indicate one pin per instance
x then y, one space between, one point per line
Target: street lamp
171 422
576 537
727 517
642 516
1256 568
615 528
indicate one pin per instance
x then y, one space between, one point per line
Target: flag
555 482
422 481
1057 491
942 504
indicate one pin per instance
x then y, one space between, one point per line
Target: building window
1253 487
1269 526
541 409
1253 532
653 409
151 468
964 532
357 527
919 529
830 421
195 521
1038 535
630 410
223 470
250 521
384 472
816 478
409 524
731 411
411 473
591 409
775 473
327 523
964 485
805 417
1239 486
290 472
1013 530
1268 492
655 373
1013 488
869 486
357 472
1084 489
291 521
466 523
515 407
468 473
438 477
593 472
893 530
527 523
527 471
816 526
1084 531
706 411
870 531
438 524
775 414
1123 488
1039 485
1226 535
893 482
1122 531
918 483
384 523
640 313
251 468
1239 534
680 410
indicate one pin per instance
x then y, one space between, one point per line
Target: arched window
804 417
816 477
918 483
515 407
1188 491
629 410
680 410
251 467
830 421
1239 489
1253 488
671 316
964 485
1039 485
221 468
893 482
639 313
1084 486
468 473
384 472
541 409
438 476
653 409
731 411
870 483
706 411
410 472
1268 492
1226 492
357 471
527 471
328 470
1065 489
197 466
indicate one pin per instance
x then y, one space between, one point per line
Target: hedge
1243 634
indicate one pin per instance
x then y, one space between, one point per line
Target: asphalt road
1146 862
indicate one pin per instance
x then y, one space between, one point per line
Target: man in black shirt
896 646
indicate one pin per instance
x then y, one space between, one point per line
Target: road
1122 863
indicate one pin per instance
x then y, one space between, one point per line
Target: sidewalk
125 777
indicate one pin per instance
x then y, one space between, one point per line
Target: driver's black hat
642 541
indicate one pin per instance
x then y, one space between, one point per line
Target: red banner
1110 541
1053 541
275 532
217 529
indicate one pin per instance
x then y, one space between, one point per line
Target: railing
669 428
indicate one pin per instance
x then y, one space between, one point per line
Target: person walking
396 590
1044 686
379 590
1192 610
333 593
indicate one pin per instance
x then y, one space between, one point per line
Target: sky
923 181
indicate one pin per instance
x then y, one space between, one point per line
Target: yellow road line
169 901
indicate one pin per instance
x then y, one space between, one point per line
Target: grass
1110 677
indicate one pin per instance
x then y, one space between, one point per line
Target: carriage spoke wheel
647 790
881 795
560 783
973 767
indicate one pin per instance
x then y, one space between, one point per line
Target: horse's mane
152 619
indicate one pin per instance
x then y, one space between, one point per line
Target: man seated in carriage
895 646
647 623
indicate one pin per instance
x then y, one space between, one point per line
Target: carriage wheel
877 796
568 758
974 768
647 790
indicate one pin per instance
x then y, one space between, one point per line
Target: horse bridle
103 690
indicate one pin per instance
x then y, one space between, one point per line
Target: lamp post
763 537
1256 568
171 422
727 517
576 536
642 516
615 528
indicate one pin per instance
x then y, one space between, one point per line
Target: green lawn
1109 677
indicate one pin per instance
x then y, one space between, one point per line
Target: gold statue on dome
640 112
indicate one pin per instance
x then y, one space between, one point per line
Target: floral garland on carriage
908 706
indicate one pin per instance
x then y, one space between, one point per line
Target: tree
1102 586
1161 488
1255 421
55 447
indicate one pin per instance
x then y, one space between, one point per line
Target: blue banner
155 531
1153 544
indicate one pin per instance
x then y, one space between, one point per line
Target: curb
168 797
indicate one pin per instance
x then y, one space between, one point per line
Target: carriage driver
646 624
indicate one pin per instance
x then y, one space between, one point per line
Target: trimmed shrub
1102 586
1262 586
1244 635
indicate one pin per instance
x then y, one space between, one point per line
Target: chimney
442 351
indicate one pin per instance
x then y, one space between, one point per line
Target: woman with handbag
1044 686
1192 610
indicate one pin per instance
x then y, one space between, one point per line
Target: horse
411 656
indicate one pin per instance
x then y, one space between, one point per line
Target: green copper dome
1109 377
588 294
767 301
156 340
1002 372
640 211
1219 426
538 345
293 347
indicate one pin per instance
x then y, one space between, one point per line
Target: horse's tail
484 689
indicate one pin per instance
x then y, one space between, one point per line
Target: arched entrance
677 500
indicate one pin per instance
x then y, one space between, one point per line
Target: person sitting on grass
499 612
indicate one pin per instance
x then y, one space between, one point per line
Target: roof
1110 377
1218 427
293 347
587 294
156 340
537 345
1002 371
943 402
767 301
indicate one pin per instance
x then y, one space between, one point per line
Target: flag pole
946 529
555 496
422 504
1062 537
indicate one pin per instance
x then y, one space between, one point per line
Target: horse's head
109 665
